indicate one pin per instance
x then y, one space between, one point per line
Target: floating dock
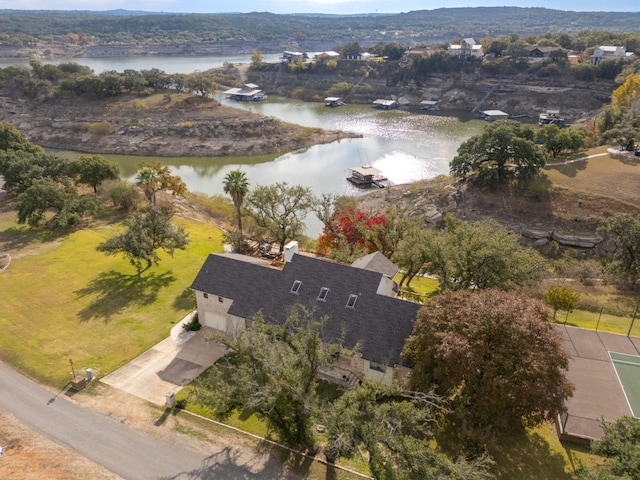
366 176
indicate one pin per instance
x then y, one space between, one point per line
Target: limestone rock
535 234
576 240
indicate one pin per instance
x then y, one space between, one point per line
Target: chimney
290 249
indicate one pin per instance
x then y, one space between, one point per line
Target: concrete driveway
167 366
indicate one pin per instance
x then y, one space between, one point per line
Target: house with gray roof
466 48
359 304
611 52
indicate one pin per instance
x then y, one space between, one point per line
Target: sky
311 6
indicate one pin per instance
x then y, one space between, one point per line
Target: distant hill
423 26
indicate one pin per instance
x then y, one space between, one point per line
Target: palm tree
235 184
147 178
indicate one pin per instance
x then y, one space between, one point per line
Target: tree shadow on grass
528 457
18 238
186 300
115 291
569 169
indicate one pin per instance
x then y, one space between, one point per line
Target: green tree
623 231
146 233
395 428
12 139
505 149
46 194
494 356
561 298
236 185
20 168
390 51
480 255
202 84
413 252
92 170
558 140
154 177
621 126
620 446
351 49
271 370
279 210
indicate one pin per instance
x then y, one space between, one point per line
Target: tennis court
599 394
628 371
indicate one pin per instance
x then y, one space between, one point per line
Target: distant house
420 52
249 93
543 52
328 55
361 56
493 115
358 302
466 49
610 52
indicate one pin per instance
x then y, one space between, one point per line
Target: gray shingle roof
377 262
378 324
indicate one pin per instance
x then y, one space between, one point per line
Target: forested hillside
22 28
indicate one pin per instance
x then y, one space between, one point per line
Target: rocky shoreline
172 125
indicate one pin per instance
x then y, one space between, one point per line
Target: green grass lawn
602 322
65 300
420 288
538 454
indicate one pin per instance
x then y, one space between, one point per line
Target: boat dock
333 101
366 176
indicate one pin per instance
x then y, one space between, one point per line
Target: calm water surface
406 144
169 64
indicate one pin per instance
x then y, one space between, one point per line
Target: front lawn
62 299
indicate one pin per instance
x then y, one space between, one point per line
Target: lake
407 144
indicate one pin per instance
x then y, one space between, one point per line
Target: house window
379 367
220 299
322 296
295 288
351 303
205 295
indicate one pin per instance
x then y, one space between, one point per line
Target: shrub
123 195
192 325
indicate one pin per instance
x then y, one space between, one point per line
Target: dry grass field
616 177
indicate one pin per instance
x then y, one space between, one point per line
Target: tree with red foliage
351 233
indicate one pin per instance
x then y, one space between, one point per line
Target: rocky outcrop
576 241
559 219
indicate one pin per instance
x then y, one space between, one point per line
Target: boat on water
366 176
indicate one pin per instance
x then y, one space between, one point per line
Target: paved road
127 452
